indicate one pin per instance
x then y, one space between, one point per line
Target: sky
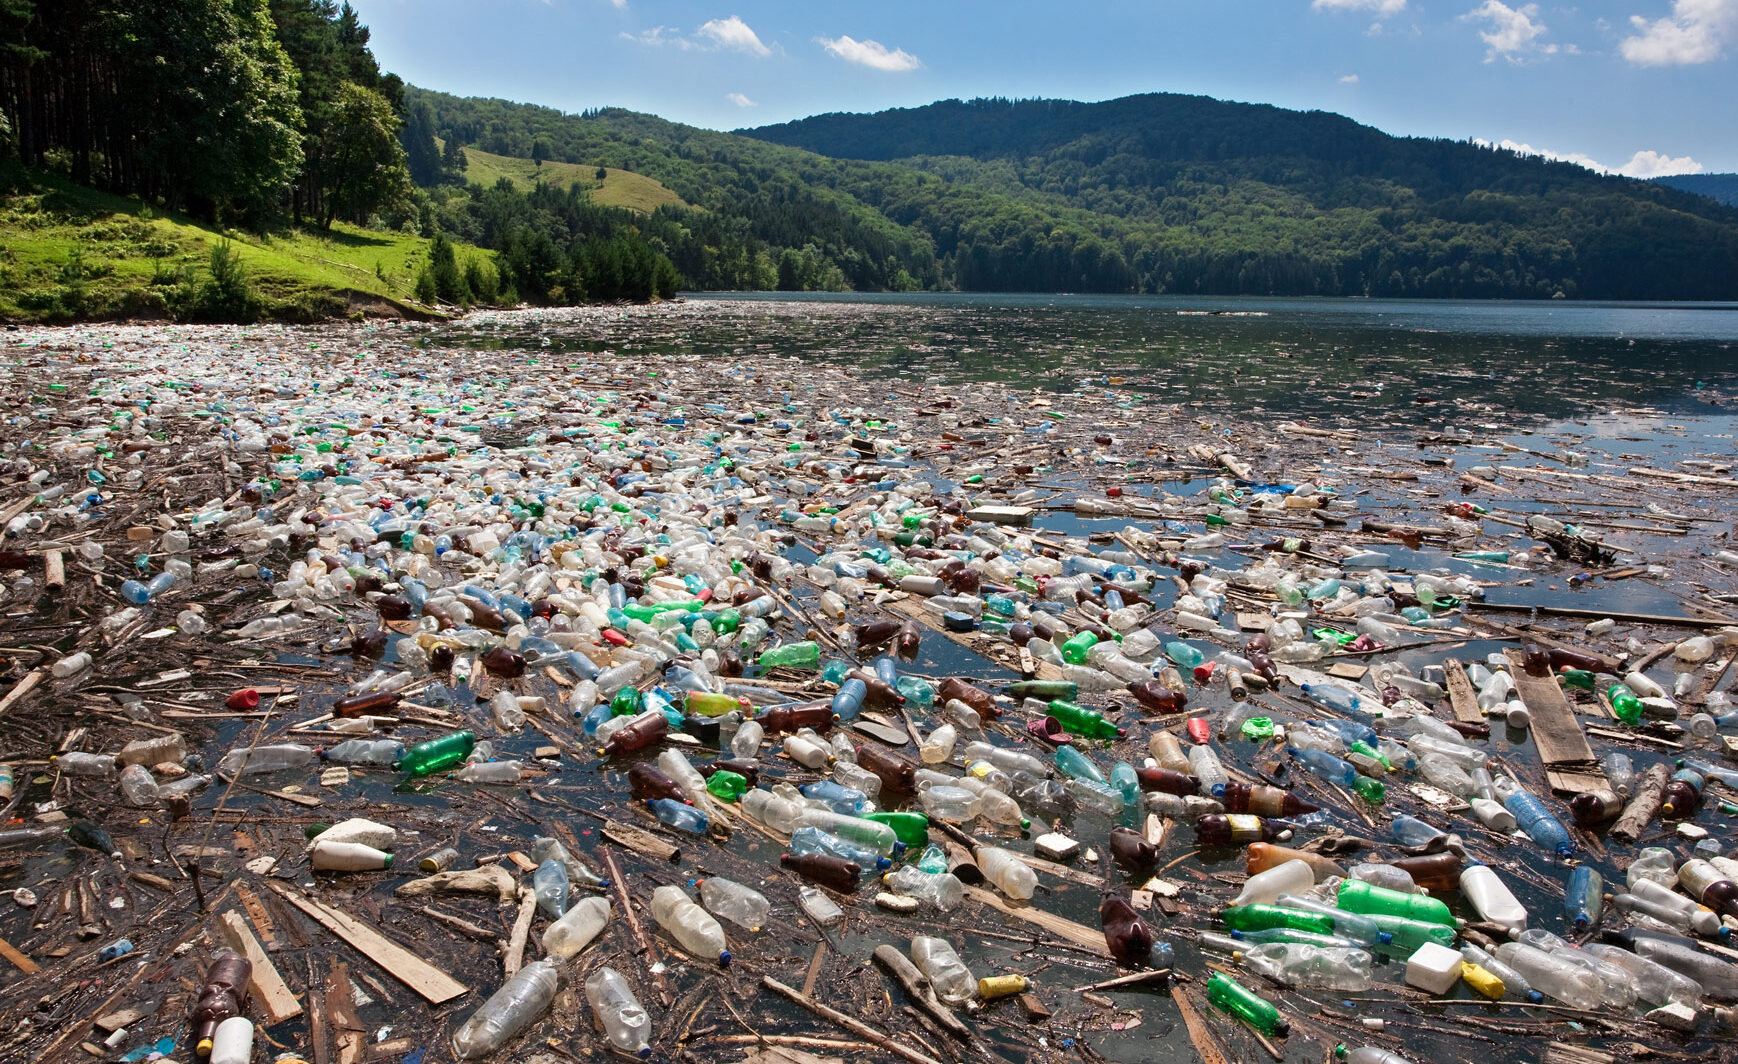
1642 87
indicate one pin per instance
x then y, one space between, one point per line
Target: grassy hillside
69 252
619 188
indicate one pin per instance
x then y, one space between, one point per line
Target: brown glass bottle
878 632
1592 808
1679 799
1263 800
505 663
896 773
973 696
829 871
1164 779
646 780
649 729
793 718
1130 849
1564 658
1127 935
378 703
1153 695
1434 872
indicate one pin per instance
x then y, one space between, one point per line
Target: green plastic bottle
1073 763
712 704
1407 935
1228 995
1624 703
437 754
1262 917
726 786
1580 678
1074 650
1078 720
804 655
909 828
1357 896
1370 790
627 702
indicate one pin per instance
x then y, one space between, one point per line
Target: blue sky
1641 86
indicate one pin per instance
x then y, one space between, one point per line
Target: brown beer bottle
975 697
818 716
1166 780
1130 849
875 633
1263 800
1155 696
648 729
378 702
1435 872
829 871
646 780
1127 935
1592 808
896 773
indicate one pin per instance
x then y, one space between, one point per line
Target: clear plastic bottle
690 925
274 757
1327 968
1010 875
623 1019
1292 877
84 765
519 1003
139 787
730 900
549 883
157 750
504 773
1553 976
746 742
940 889
584 921
382 752
547 849
1206 768
953 982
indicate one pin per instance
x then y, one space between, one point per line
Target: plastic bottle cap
724 958
389 858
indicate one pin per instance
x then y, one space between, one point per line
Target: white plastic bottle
1292 877
346 857
619 1013
1492 897
581 923
691 926
232 1042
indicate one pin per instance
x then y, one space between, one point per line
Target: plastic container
953 982
519 1003
1492 898
692 927
729 900
623 1019
1292 877
578 926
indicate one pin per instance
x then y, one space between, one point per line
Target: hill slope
71 252
1147 194
1722 187
619 188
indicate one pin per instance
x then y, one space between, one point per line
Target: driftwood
849 1023
1644 806
488 879
917 985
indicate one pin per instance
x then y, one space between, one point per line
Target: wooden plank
268 931
19 960
435 986
1557 734
1627 618
642 842
25 686
266 986
1199 1032
1461 697
1079 934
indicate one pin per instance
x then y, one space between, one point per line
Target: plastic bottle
1653 982
220 998
437 755
1492 898
829 871
549 883
1228 995
498 773
1261 856
620 1014
382 752
746 742
1311 966
584 921
157 750
940 889
1208 771
1360 897
1078 720
811 839
1369 1055
260 760
679 816
953 982
1705 883
139 787
1233 829
730 900
1292 877
1719 978
691 926
1538 822
232 1042
327 856
519 1003
1583 897
1552 976
1006 872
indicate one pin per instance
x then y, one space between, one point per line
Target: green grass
619 188
68 252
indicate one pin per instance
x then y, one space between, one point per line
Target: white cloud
1349 79
1514 31
739 99
869 53
619 5
1643 163
1697 31
659 35
1383 8
733 33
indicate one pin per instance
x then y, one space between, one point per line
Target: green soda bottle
1624 703
804 655
1262 917
1370 790
1406 936
726 786
1074 650
727 621
437 754
1073 763
1078 720
1044 689
1228 995
1357 896
1580 678
89 835
627 702
712 704
909 828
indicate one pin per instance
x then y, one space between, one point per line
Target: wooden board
1557 734
435 986
1079 934
19 960
1461 697
265 986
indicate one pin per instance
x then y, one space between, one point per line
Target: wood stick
916 984
436 986
19 960
855 1026
23 687
54 570
1643 807
266 986
1079 934
1199 1033
521 931
620 883
459 924
1157 975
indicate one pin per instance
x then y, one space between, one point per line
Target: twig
855 1026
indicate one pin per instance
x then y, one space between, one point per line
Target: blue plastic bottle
679 816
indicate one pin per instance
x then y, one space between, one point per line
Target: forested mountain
1224 197
1722 187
